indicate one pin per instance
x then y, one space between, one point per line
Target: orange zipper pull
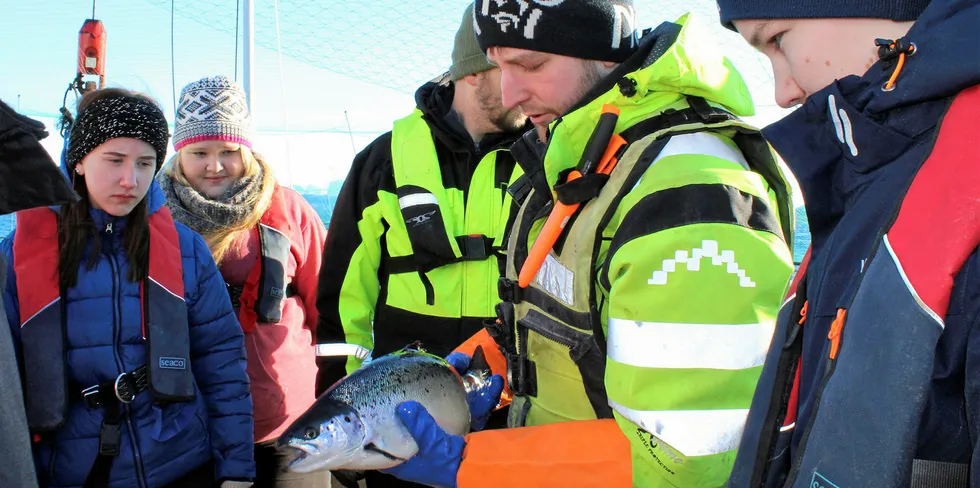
806 304
835 331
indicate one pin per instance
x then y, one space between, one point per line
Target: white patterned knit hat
212 109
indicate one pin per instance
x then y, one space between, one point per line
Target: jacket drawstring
897 49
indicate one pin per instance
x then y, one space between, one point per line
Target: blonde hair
219 240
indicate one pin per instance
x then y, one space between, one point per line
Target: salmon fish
353 425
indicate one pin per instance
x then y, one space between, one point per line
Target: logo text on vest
818 481
421 219
692 260
173 363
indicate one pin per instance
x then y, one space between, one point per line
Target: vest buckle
109 438
124 389
522 375
474 247
509 291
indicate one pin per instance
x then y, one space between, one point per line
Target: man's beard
501 119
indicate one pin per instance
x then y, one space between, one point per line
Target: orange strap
495 358
569 454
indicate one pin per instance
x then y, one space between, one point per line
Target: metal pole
351 134
249 51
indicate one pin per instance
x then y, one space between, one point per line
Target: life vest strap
936 474
110 395
472 248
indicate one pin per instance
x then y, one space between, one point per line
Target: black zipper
543 332
120 367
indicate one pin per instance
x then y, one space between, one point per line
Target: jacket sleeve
218 362
695 270
308 266
349 285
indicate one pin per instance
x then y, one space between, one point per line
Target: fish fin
348 477
479 361
372 447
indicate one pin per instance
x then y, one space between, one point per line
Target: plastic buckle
109 439
521 375
91 397
473 247
519 190
508 290
124 389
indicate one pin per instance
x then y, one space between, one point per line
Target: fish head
324 438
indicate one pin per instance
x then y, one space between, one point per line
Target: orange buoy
91 50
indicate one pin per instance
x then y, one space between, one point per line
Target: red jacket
281 356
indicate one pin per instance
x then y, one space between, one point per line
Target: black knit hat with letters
603 30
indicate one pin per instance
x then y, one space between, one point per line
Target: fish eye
347 418
311 433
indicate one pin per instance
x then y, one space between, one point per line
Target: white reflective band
701 143
360 352
692 432
698 144
417 199
672 345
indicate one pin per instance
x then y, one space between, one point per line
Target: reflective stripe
908 284
697 144
417 199
360 352
556 279
692 432
672 345
701 144
23 323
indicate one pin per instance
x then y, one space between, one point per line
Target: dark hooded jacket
855 149
28 178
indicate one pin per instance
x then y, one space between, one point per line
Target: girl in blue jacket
132 360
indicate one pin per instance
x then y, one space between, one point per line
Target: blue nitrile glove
482 401
439 453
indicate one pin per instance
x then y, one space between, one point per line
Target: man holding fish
642 283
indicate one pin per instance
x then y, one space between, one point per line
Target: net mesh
400 45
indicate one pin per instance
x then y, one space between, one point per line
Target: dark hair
75 224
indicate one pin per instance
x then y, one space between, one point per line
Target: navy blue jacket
853 174
159 444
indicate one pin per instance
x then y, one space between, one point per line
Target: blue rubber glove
439 453
482 401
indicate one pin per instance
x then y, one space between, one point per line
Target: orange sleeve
495 358
570 454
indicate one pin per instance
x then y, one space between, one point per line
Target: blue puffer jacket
159 444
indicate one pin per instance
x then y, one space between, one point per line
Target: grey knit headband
117 116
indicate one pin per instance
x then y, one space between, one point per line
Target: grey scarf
205 215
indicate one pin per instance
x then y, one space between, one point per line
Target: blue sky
363 58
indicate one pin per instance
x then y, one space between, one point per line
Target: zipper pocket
584 355
834 336
552 329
